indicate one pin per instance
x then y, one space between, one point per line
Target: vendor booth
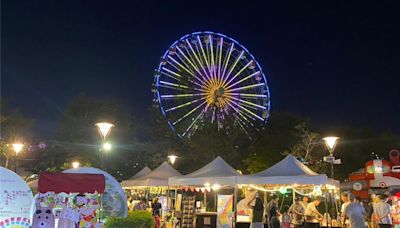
15 200
67 200
290 175
151 185
217 178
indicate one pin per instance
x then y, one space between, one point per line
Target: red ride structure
377 177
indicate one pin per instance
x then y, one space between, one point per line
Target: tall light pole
17 147
104 129
330 143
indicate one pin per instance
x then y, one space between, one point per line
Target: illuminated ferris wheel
206 76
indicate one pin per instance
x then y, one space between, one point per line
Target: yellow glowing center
216 94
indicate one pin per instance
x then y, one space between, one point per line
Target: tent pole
235 193
293 195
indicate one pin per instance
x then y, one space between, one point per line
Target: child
286 219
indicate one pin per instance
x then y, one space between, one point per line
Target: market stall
217 178
151 185
290 175
67 200
113 200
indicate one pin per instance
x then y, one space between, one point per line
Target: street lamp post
17 147
104 129
330 143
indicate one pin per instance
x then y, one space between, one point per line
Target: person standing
346 202
382 212
313 216
273 213
156 211
355 212
258 212
297 213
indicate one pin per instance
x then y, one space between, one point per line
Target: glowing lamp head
75 164
172 158
107 146
330 142
17 147
207 185
104 128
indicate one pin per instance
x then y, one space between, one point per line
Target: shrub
136 219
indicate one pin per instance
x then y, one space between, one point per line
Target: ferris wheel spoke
248 95
204 55
248 111
199 61
232 67
187 114
242 80
219 47
249 103
245 87
186 69
170 76
184 105
226 61
243 115
190 62
179 86
178 96
238 73
171 72
179 64
175 67
192 124
212 56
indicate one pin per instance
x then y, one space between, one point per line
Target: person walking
141 206
258 212
355 212
382 212
273 213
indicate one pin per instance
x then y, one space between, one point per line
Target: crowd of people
302 213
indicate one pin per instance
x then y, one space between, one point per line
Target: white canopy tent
143 172
156 178
287 171
215 172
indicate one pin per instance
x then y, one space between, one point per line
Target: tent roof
289 166
143 172
287 171
215 172
157 177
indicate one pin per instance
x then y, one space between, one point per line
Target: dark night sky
334 62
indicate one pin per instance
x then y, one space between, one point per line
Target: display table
206 219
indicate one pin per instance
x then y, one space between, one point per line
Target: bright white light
17 147
172 158
107 146
215 187
104 128
330 142
75 164
207 185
